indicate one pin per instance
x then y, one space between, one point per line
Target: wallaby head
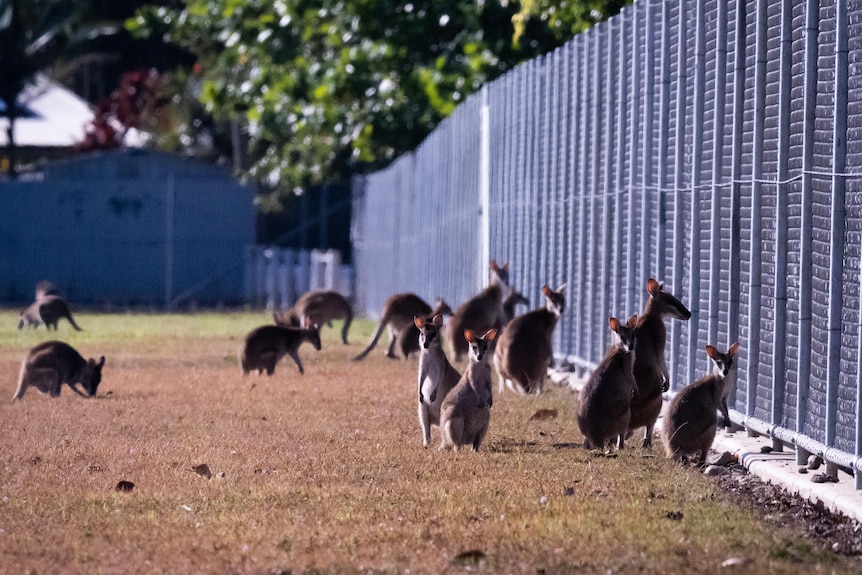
312 333
664 303
499 274
723 363
555 301
92 376
624 338
479 345
429 330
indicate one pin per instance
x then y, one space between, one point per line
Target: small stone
715 470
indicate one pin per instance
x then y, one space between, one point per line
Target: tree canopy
326 87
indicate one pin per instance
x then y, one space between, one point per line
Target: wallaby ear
418 321
490 335
438 320
712 352
562 287
308 322
633 321
653 287
469 335
102 361
733 349
615 324
494 266
506 266
546 291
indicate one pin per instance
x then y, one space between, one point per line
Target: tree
326 87
31 37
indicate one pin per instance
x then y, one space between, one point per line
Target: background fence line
711 144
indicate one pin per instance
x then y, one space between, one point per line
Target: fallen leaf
203 470
736 562
544 414
472 556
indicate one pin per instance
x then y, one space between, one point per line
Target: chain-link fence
706 143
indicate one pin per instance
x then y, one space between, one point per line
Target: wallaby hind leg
390 348
648 436
425 423
480 436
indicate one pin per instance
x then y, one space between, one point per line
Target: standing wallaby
46 310
524 350
407 340
322 307
464 414
398 314
437 377
52 363
690 422
510 304
264 346
605 402
650 367
481 312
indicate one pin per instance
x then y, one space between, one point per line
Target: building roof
54 117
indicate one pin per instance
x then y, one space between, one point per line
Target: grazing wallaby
322 307
437 377
407 340
512 301
481 312
464 414
690 422
650 368
605 402
264 346
524 350
398 314
52 363
46 310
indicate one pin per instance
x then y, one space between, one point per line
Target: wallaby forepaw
433 397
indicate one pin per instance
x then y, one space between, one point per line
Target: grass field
325 472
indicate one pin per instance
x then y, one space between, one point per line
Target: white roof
57 116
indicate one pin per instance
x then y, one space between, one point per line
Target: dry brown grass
325 473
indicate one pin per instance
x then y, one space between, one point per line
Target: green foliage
326 87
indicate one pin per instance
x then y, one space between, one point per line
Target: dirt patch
775 505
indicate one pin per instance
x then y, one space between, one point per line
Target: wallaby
690 422
650 368
481 312
407 340
52 363
464 414
510 304
398 313
524 350
264 346
322 307
47 311
605 402
437 377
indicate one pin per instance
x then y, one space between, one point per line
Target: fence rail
710 144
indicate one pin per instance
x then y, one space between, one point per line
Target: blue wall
98 227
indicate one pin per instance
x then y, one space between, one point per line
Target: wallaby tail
71 321
374 337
